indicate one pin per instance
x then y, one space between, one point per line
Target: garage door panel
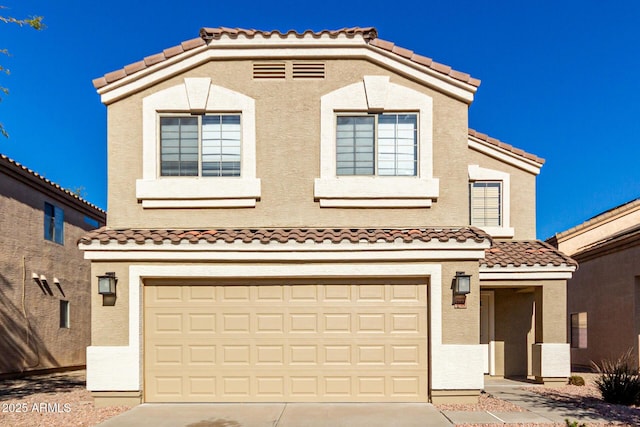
285 342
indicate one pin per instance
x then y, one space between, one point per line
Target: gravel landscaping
52 400
578 399
57 400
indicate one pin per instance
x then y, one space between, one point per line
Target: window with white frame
192 130
380 144
490 201
376 147
207 145
486 203
579 330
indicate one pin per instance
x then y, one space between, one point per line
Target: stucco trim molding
504 155
341 49
563 272
106 372
197 96
378 94
476 173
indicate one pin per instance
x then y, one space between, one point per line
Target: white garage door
286 342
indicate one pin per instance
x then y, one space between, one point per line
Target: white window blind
486 200
384 144
200 146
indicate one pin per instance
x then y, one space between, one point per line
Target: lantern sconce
107 284
461 287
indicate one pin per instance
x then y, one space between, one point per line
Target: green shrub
576 380
574 423
618 381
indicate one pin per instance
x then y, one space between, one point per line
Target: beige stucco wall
30 315
608 289
523 194
460 325
111 321
288 149
110 316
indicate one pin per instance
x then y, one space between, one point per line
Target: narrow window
486 203
64 314
383 144
579 330
53 223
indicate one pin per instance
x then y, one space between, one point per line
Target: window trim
197 96
477 173
375 94
376 153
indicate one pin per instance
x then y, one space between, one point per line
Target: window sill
498 232
196 192
376 192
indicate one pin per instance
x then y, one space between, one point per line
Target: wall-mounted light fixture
462 283
107 283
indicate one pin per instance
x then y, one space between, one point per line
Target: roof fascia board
598 221
280 256
527 273
615 245
51 190
193 58
292 246
504 155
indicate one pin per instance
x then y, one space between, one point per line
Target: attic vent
270 70
308 70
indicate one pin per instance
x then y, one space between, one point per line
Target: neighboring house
603 297
288 214
45 284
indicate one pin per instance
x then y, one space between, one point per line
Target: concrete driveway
281 415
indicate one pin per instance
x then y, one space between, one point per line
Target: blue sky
559 79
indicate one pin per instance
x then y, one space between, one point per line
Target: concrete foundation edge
455 396
116 398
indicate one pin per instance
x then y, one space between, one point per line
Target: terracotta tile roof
284 235
524 253
12 165
210 35
505 146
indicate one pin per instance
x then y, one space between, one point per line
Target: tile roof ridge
19 166
508 147
207 35
285 234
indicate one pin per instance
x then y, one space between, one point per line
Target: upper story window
486 203
200 145
376 147
381 144
53 223
185 138
490 201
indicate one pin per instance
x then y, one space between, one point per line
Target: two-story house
306 217
45 284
